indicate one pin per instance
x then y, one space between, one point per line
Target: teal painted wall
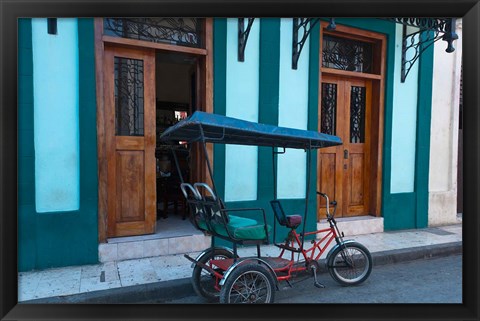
56 239
424 117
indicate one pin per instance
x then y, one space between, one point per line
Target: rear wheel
249 283
350 264
203 281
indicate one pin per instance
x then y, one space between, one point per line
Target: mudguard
334 248
210 249
247 260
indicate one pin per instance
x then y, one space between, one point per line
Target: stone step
138 248
356 225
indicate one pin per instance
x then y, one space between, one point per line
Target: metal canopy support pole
208 160
274 174
202 139
274 170
177 165
309 171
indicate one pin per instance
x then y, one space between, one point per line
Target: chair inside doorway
169 197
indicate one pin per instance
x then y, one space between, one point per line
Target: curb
416 253
157 291
180 288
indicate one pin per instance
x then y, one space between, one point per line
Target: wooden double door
344 171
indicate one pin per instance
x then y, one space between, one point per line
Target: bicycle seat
291 221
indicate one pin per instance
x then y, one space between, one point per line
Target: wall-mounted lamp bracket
429 30
52 26
243 36
306 24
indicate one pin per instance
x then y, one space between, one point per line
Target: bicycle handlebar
334 203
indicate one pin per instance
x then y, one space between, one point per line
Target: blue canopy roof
228 130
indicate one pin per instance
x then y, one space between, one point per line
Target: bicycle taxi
219 272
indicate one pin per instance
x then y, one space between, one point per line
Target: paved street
436 280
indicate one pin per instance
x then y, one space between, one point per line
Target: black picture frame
11 10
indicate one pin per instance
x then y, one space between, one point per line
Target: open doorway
176 91
134 73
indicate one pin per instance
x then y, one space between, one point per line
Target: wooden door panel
356 195
328 172
129 143
130 140
356 179
355 200
130 186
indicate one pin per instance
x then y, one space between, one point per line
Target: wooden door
343 171
130 140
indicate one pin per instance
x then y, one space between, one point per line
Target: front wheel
249 283
350 264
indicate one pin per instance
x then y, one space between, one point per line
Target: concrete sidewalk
168 277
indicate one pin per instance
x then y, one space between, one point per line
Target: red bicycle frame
313 253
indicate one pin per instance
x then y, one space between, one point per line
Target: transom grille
346 54
176 31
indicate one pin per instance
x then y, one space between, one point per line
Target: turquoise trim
219 96
60 238
400 211
27 232
268 109
313 123
268 99
424 117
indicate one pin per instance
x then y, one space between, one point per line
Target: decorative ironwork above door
346 54
427 31
177 31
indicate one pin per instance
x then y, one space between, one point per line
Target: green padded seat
240 228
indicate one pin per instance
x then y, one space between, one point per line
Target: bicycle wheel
249 283
350 264
203 281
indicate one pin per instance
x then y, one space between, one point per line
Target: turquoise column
219 96
27 233
268 100
424 116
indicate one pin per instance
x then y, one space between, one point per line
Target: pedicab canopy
228 130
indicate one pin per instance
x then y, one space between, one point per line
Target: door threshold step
144 248
356 225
